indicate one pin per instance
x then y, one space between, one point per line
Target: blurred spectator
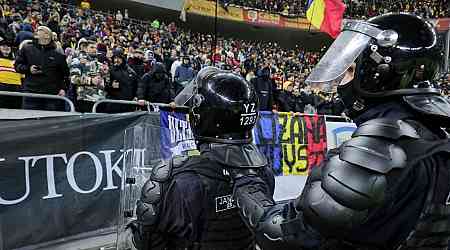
330 105
355 8
25 33
368 8
53 23
156 87
288 101
265 88
119 16
136 62
183 74
89 78
285 7
45 70
168 44
176 62
10 80
123 83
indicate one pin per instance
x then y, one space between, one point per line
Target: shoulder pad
178 161
151 192
373 153
386 128
353 186
431 106
147 206
161 172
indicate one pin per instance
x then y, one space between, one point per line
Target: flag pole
312 16
215 35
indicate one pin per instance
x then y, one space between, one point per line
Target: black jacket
128 81
138 66
265 89
156 86
289 102
55 74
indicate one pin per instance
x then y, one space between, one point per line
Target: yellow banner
208 8
293 145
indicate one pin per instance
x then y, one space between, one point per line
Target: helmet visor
331 69
186 94
191 88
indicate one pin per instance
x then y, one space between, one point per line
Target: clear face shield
331 70
191 88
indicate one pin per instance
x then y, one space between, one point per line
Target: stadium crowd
88 56
115 57
355 8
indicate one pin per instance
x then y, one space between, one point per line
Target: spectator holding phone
45 70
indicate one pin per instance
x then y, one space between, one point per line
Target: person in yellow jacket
10 80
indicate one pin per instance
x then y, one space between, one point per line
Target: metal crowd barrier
151 107
334 118
40 96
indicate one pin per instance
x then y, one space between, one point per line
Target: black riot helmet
223 107
387 53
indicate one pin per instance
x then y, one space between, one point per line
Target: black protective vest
224 228
432 229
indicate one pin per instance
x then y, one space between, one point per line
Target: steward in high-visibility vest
10 80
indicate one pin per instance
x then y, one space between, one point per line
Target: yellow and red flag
326 15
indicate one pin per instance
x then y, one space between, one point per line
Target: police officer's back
187 203
388 186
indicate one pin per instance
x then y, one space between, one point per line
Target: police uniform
187 203
388 186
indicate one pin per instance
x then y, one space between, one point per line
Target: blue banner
176 134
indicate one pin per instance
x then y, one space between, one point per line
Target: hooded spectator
136 62
25 33
156 87
123 83
102 51
265 88
183 74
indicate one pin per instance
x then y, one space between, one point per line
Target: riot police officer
187 203
389 186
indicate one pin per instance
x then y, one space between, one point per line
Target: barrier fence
64 179
151 107
40 96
